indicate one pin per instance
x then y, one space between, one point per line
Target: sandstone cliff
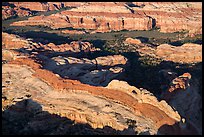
168 17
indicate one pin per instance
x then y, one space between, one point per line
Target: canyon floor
93 68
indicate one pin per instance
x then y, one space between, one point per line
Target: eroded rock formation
183 95
121 16
186 53
9 10
99 71
48 93
45 6
68 89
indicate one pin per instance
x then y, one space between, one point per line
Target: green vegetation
141 72
149 61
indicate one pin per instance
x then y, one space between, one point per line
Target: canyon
120 16
63 79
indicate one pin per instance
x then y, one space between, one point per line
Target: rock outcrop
45 6
132 41
186 53
183 95
11 41
96 106
173 16
72 87
98 72
9 10
46 88
120 16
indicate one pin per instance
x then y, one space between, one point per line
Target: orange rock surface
63 84
120 16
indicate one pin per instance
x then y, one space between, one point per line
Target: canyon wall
106 17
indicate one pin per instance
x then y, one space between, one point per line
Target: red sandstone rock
46 6
120 16
8 12
172 17
11 41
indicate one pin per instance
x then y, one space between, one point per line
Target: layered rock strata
167 17
46 88
9 10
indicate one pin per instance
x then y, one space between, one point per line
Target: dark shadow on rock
175 129
143 39
8 4
43 37
92 74
136 72
147 76
145 133
26 117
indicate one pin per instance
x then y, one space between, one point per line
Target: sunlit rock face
65 86
99 107
168 17
186 53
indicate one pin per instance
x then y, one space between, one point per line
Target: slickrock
99 71
186 53
182 82
11 41
73 32
74 46
9 55
143 96
52 87
61 86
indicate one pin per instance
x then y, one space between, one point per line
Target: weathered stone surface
73 32
120 16
63 89
96 110
132 41
99 71
186 53
173 16
9 11
143 96
77 18
11 41
46 6
183 95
